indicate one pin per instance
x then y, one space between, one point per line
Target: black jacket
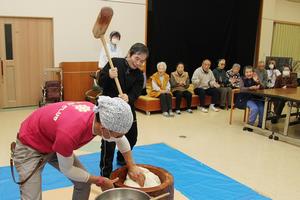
242 97
221 78
131 81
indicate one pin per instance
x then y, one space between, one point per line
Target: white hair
162 64
236 65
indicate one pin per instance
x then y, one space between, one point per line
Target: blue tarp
191 177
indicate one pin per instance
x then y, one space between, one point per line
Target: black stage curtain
190 31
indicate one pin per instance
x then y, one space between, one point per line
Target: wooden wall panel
23 74
76 79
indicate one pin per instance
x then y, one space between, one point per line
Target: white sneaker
165 114
189 110
171 114
202 109
178 112
212 107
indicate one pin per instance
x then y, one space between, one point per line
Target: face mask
285 73
271 66
115 41
110 139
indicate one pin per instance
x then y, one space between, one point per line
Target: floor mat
191 177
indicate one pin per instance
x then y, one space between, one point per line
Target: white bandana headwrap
115 114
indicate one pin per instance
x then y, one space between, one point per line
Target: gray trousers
26 159
225 95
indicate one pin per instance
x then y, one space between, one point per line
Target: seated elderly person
286 80
234 76
254 103
180 83
205 84
223 81
262 74
160 87
273 73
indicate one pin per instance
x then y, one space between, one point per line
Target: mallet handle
110 63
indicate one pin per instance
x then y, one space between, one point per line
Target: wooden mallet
99 30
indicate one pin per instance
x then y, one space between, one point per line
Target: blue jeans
256 108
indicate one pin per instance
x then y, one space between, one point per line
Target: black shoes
247 129
222 107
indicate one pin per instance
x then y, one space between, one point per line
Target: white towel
151 180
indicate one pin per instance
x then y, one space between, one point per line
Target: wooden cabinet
76 79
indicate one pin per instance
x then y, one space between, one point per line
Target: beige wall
73 22
74 19
275 10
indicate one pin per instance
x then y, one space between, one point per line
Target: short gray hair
261 61
163 64
236 65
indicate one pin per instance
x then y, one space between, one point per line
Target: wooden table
290 95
